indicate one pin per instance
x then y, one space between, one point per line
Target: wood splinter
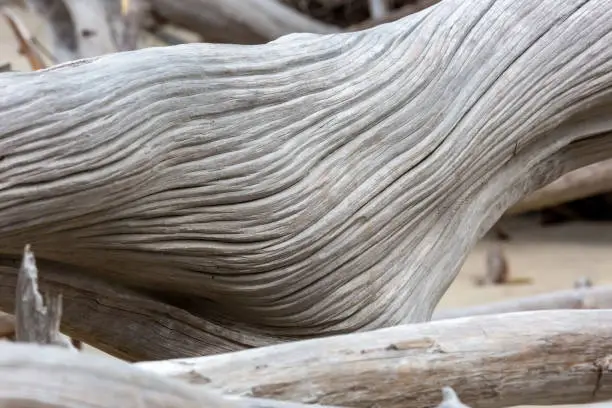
450 399
35 322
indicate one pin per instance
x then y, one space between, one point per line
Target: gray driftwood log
582 298
313 185
536 358
51 377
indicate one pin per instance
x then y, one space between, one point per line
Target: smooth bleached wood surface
535 358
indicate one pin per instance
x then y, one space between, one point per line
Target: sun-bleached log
265 187
543 357
584 298
48 377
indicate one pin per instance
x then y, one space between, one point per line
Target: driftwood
97 36
238 21
414 7
99 314
48 377
450 399
23 38
264 188
80 29
544 357
581 183
583 298
36 322
96 27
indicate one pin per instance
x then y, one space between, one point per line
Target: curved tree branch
313 185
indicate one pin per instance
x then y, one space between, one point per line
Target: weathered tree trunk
313 185
534 358
50 377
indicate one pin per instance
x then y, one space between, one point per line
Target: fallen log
584 298
47 377
544 357
260 186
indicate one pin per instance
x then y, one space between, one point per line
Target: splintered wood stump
310 186
36 322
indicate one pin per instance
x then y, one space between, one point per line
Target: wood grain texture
50 377
549 357
580 183
128 324
313 185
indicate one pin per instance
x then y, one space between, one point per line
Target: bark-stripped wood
81 29
583 298
580 183
313 185
543 357
35 321
414 7
127 324
450 399
49 377
98 313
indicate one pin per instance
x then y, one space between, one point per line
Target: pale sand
553 257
